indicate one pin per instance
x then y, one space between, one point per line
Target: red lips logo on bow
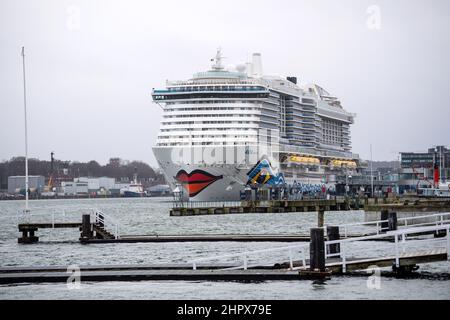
196 181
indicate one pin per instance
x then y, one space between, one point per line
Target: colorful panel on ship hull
262 173
196 181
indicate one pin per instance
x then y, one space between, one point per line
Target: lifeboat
343 163
304 160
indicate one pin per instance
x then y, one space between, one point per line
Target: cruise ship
227 130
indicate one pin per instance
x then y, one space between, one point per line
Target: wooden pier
28 229
184 272
99 232
411 205
160 275
326 254
405 260
89 230
98 238
192 208
264 206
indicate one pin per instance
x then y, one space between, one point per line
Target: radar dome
241 67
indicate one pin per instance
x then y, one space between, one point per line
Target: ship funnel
257 70
248 68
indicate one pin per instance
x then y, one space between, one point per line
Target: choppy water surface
150 215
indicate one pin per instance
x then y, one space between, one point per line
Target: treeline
117 168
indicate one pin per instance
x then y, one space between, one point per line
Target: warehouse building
17 183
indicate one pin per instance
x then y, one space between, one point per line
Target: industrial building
75 188
16 184
88 185
423 169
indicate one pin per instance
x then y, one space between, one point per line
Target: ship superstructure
219 125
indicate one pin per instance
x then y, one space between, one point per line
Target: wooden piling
333 234
320 216
392 221
317 250
86 232
28 235
384 216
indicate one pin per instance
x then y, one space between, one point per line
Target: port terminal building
418 168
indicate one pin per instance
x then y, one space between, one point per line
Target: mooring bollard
320 217
392 221
317 250
86 226
385 224
333 234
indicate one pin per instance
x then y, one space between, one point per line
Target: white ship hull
217 182
224 183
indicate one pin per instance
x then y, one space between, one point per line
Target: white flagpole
26 130
371 169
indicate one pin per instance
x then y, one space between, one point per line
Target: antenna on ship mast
218 60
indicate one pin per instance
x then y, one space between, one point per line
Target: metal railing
440 219
400 242
345 252
206 204
57 216
291 251
106 222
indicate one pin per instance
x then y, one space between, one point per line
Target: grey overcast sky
92 64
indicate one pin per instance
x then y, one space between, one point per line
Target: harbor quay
371 206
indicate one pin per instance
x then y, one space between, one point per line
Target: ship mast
217 66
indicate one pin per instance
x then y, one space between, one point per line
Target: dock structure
321 258
190 208
98 228
97 237
193 208
28 230
412 205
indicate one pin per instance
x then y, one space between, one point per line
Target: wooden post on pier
384 216
317 250
320 216
333 234
86 232
28 235
392 221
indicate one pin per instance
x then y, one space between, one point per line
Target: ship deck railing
206 204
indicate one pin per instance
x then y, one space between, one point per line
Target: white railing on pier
348 248
105 221
65 216
206 204
438 219
42 215
290 252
